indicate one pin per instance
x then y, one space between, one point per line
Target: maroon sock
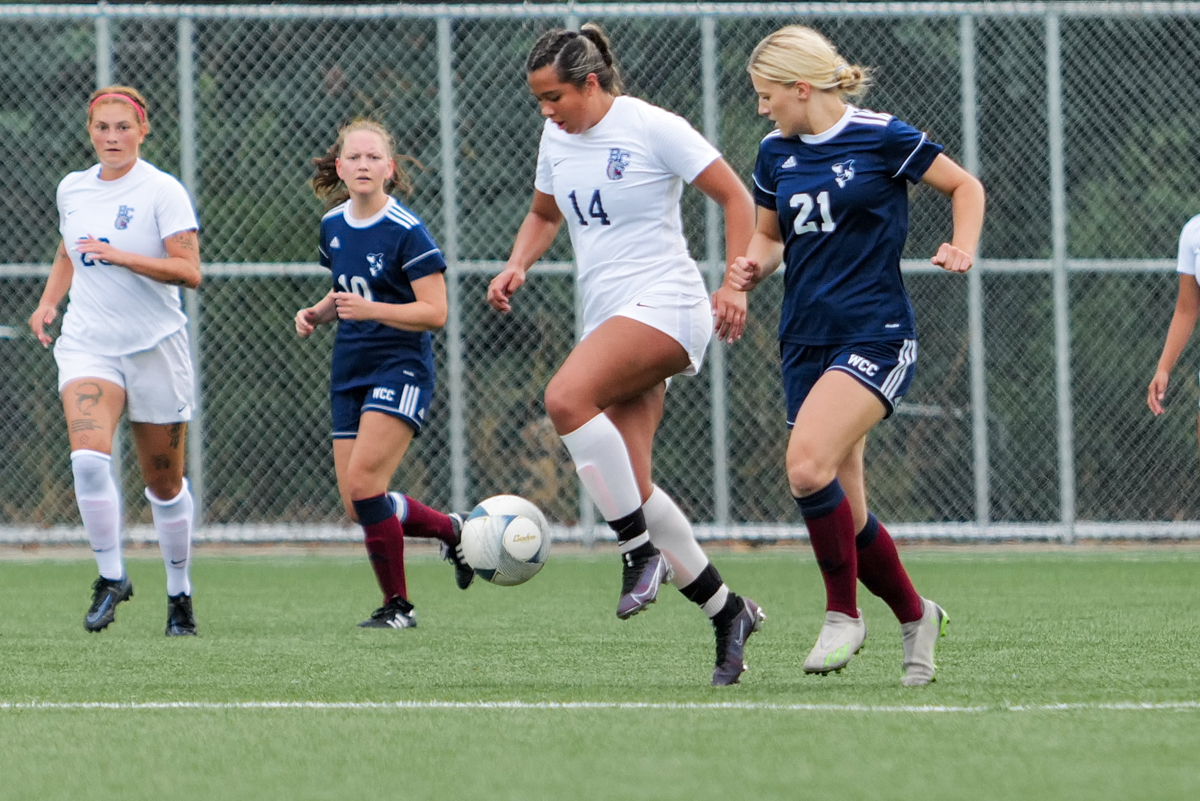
831 531
881 572
385 544
421 521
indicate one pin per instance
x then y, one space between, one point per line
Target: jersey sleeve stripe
335 211
762 188
416 259
401 216
900 171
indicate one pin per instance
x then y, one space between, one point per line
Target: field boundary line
750 706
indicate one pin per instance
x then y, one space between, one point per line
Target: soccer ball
505 540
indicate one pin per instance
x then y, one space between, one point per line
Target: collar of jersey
137 167
825 136
354 222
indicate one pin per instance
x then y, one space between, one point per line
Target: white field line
751 706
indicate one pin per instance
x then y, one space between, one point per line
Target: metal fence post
979 408
104 67
717 371
1062 311
454 344
186 33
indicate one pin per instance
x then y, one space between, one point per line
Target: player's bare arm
1183 322
967 202
322 312
763 255
61 274
181 267
534 237
427 313
720 182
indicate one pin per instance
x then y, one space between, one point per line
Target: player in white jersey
613 166
1183 321
129 242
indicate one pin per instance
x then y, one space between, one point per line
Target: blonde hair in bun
797 53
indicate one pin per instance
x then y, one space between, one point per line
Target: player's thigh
377 451
161 450
618 361
836 414
637 419
93 408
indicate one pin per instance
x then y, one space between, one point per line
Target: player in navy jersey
613 167
831 184
388 294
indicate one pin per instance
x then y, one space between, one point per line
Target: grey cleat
106 594
641 578
920 637
731 642
840 639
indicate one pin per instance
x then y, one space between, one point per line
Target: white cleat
920 636
841 638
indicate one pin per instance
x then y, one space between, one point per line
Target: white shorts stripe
908 355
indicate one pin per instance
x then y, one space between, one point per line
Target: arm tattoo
87 397
161 462
78 426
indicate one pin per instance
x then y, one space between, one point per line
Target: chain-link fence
1027 417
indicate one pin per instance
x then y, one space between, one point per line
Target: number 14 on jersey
595 209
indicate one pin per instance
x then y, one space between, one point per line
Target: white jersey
1189 247
618 186
113 311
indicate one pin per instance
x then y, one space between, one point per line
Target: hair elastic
137 106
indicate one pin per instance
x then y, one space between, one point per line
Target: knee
165 488
807 474
564 407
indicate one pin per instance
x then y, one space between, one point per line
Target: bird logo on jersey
843 172
618 160
375 262
124 215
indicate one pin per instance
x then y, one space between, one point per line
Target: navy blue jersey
842 201
377 259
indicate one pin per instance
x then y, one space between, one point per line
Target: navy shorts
406 396
885 368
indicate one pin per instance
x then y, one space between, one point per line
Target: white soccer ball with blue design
505 540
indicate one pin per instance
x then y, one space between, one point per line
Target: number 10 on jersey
595 209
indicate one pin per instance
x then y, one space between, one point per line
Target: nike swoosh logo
644 306
178 562
181 408
556 163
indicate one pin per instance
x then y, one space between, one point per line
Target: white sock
100 508
173 522
717 602
672 534
602 462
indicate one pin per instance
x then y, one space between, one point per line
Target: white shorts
683 317
158 383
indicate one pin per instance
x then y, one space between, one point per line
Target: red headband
136 105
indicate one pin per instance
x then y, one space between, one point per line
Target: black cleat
463 573
643 572
180 620
106 594
395 614
731 642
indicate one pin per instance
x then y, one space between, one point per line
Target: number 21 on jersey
804 202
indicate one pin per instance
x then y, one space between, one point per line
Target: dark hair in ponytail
575 55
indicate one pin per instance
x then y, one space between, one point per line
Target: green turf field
603 708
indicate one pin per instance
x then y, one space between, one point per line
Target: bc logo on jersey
618 160
843 172
375 261
124 215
